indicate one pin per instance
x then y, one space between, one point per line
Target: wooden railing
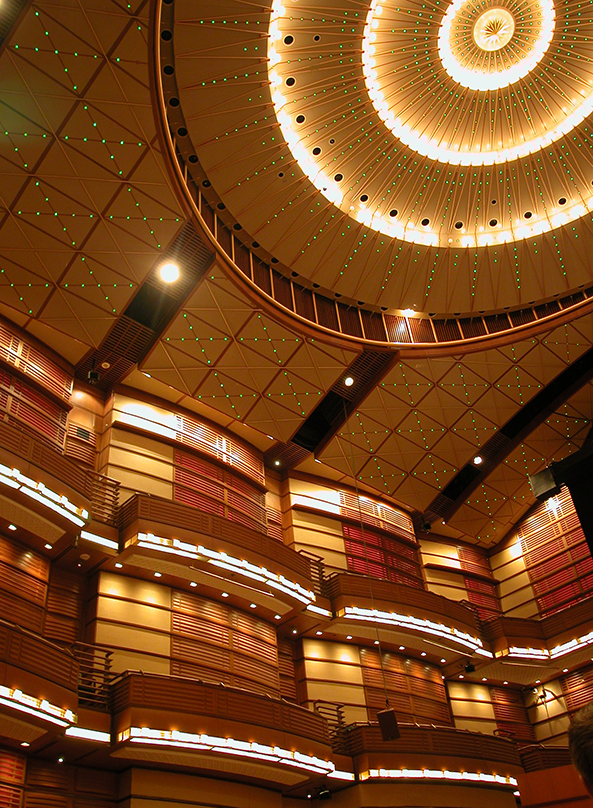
177 515
95 675
333 713
29 652
173 694
100 492
535 758
428 740
339 584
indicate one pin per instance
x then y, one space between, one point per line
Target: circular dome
394 128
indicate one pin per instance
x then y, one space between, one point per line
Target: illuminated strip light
84 534
39 492
340 775
88 734
40 708
436 774
229 746
225 561
417 624
528 653
319 610
572 645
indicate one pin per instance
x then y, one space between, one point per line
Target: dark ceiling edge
136 331
332 412
495 450
13 12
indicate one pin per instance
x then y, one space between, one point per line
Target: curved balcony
59 488
190 723
38 686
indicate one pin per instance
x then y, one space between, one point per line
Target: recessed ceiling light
24 743
148 376
169 272
443 661
461 676
348 381
118 565
423 653
376 642
158 574
349 636
192 583
319 633
225 594
402 648
60 760
276 462
505 683
48 546
253 605
477 460
484 679
12 527
277 617
294 631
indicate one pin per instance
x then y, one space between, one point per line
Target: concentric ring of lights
493 79
429 148
407 232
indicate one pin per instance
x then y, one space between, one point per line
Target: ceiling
92 197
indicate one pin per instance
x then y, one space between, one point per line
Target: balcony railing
102 493
95 675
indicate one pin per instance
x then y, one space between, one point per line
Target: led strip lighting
40 708
225 561
38 491
229 746
544 653
416 624
113 545
88 734
437 774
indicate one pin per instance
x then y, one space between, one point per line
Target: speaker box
388 724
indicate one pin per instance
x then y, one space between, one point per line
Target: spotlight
169 273
477 460
470 668
348 381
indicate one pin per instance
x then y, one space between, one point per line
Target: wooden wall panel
23 584
65 602
210 640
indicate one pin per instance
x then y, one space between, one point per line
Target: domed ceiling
429 155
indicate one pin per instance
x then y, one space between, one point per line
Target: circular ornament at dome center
493 29
489 46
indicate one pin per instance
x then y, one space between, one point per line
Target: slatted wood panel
51 785
81 444
556 555
232 451
215 643
212 489
372 553
288 688
415 690
376 514
274 524
511 715
23 583
34 363
25 406
577 688
65 599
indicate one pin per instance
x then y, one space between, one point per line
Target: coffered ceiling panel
85 204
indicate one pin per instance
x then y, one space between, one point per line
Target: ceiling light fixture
478 459
169 272
348 381
118 565
12 527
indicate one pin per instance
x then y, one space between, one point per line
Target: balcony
38 686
